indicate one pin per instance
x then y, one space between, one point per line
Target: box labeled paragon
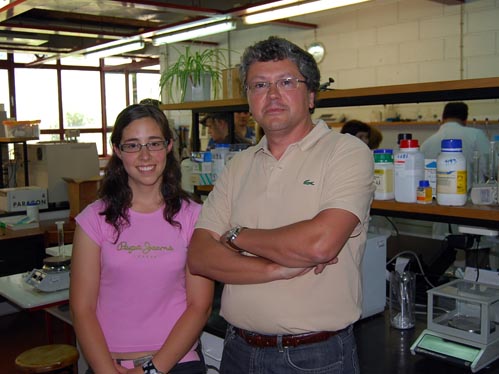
18 198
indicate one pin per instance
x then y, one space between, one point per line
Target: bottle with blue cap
451 174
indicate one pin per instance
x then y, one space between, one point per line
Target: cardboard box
81 192
231 85
18 198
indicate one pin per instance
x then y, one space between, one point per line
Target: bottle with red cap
409 170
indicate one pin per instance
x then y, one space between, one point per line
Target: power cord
418 261
477 247
393 225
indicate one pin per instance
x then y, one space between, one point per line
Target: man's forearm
303 244
212 259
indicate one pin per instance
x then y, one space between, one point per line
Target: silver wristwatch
232 235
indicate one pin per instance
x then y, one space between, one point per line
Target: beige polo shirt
324 170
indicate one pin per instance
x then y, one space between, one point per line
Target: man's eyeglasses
284 84
136 147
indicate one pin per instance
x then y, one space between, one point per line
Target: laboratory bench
383 349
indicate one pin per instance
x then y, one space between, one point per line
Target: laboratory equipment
54 275
50 162
462 326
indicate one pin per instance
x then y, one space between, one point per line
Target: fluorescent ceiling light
123 48
194 33
297 10
185 26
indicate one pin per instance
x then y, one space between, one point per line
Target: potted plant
194 69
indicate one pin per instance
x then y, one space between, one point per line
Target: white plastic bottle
383 174
186 169
409 170
219 156
451 174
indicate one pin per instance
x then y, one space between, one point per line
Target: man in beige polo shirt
285 227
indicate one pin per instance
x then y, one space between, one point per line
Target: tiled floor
24 330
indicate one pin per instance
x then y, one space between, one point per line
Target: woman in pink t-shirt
136 307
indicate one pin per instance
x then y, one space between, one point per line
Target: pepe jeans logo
143 249
308 182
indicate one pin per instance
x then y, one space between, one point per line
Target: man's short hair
221 116
457 110
354 126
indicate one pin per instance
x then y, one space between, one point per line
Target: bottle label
451 182
383 180
424 195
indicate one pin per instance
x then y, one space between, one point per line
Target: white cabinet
212 350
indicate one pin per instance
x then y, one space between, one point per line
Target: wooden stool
48 358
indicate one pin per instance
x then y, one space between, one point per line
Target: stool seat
47 358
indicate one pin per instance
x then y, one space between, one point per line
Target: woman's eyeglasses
136 147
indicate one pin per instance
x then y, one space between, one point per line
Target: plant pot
199 92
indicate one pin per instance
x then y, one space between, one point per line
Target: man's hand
289 273
320 268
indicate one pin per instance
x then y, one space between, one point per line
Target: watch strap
149 368
232 235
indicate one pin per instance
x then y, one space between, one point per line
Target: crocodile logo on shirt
308 182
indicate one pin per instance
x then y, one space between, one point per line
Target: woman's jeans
337 355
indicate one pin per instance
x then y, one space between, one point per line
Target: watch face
317 50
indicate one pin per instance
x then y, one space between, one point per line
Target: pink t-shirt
142 287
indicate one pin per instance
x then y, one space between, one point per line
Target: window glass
116 60
3 56
153 68
115 96
76 60
92 138
148 86
81 100
36 96
26 58
4 91
49 138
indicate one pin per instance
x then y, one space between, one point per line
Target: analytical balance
463 324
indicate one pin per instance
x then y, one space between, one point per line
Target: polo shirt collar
318 131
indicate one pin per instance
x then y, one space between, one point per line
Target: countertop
383 349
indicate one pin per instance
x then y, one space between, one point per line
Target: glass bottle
475 180
492 180
60 236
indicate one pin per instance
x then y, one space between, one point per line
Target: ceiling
53 28
62 27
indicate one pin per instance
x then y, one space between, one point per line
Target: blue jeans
337 355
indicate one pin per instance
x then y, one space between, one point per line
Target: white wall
386 42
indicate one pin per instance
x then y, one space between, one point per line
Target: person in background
242 128
375 138
218 130
454 118
135 305
285 227
357 128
